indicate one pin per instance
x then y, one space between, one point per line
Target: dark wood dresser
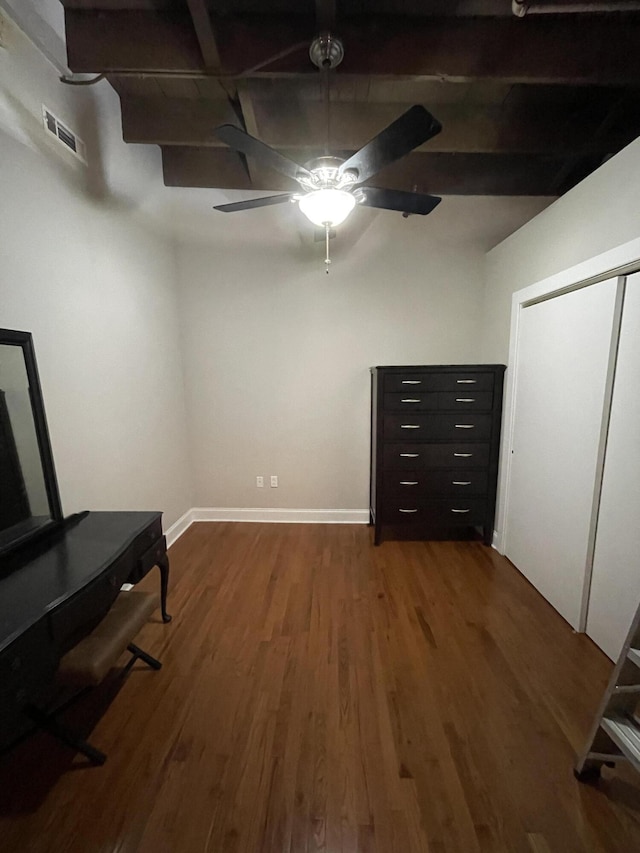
435 436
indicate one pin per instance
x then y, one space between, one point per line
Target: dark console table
54 591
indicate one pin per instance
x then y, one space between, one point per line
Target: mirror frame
25 341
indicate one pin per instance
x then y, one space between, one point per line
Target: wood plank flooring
320 694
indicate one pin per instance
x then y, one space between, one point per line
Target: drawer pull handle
465 426
409 426
411 400
408 510
464 455
461 482
465 399
413 455
466 381
412 381
460 510
408 482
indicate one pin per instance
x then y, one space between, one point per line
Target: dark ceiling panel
519 129
425 8
529 105
535 51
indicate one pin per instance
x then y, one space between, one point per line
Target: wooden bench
88 662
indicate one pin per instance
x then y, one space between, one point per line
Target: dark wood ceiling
530 105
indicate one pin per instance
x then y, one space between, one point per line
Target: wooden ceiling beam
174 121
546 49
132 40
190 122
440 173
204 33
223 166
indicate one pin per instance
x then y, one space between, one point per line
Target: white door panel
615 584
562 364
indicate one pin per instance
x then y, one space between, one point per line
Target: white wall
599 214
277 354
86 270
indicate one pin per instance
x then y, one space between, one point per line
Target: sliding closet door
615 585
561 375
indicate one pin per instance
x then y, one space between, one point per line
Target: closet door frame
614 263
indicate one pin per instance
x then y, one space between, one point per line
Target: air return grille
64 136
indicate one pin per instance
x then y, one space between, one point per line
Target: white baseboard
176 530
295 516
496 542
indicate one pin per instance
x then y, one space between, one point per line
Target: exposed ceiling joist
527 106
204 33
250 123
491 130
541 50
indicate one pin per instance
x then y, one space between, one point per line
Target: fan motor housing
326 51
327 175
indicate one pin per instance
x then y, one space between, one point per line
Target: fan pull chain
327 259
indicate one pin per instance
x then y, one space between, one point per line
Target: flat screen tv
29 497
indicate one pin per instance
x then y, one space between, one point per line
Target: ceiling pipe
520 8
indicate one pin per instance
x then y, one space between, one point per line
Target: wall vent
64 136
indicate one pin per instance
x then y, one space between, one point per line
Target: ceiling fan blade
254 202
399 200
413 128
252 147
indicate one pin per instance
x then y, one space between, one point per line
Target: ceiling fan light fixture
327 206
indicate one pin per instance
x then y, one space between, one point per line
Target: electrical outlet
260 482
274 481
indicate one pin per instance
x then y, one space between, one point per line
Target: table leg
163 565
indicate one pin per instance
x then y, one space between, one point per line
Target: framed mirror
29 497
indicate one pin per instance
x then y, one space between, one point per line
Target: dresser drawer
431 401
88 605
418 427
26 665
444 381
464 381
145 540
410 382
404 457
148 560
466 401
411 401
428 483
450 512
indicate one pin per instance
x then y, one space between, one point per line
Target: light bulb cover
327 206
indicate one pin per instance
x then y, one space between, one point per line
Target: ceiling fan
331 187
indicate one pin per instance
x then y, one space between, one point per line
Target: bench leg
50 725
137 652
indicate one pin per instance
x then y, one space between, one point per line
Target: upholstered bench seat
91 659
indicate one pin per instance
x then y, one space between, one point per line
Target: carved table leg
163 565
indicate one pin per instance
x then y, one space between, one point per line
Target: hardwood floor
320 694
